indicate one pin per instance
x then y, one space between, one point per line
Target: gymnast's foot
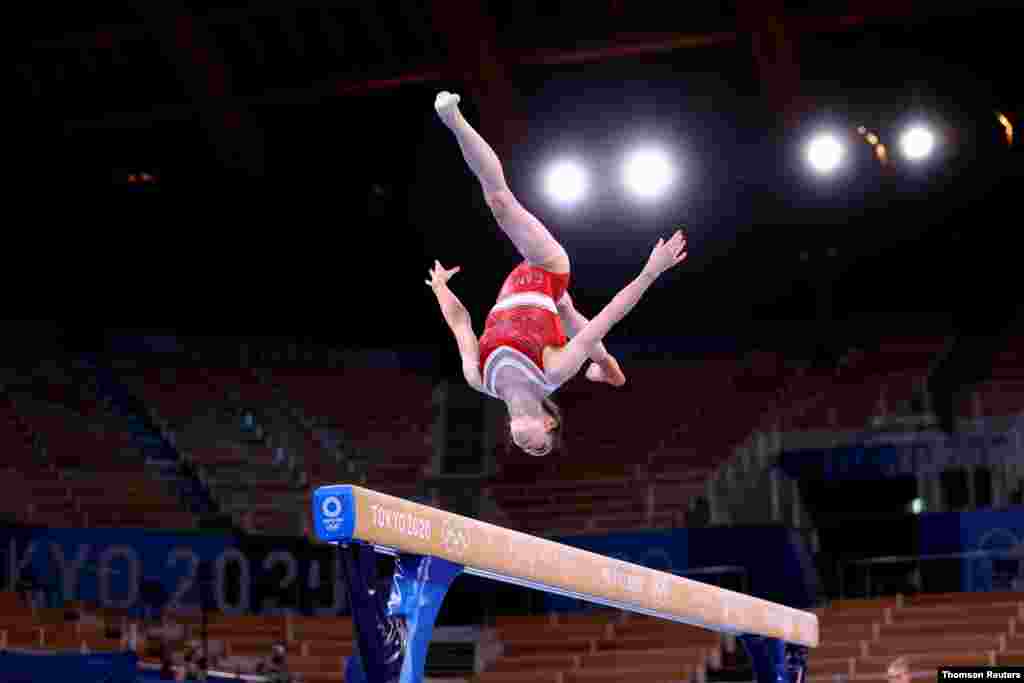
447 106
607 371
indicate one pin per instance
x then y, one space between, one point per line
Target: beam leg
393 633
379 639
774 660
417 591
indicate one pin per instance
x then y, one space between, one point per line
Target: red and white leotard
523 321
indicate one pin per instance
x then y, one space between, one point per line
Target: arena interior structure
237 441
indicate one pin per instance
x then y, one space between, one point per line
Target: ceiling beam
103 38
333 32
858 13
289 22
773 42
376 27
635 45
644 45
28 74
253 42
189 45
476 60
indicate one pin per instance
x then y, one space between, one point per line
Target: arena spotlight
825 153
648 172
881 154
917 143
1007 127
566 182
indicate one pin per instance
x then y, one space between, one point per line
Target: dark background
303 184
282 207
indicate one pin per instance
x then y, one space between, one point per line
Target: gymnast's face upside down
532 434
536 434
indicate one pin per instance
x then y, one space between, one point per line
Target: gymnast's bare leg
533 240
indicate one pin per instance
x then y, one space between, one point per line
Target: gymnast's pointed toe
447 105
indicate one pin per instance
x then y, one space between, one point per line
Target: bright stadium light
566 182
825 152
917 143
648 173
1007 127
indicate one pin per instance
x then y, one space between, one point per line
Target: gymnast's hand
439 276
665 255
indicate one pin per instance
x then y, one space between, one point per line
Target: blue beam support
774 660
393 635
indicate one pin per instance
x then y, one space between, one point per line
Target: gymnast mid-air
525 353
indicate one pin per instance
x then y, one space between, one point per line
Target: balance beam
344 513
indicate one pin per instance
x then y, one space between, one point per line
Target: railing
979 570
740 577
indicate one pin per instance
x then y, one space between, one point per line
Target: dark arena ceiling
295 174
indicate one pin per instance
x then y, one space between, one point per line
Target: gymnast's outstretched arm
569 361
459 321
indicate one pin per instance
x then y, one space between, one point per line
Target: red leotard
523 321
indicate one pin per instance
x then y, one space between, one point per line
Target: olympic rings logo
331 508
454 539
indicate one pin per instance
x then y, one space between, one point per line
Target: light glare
648 173
1007 128
566 182
917 143
882 154
825 153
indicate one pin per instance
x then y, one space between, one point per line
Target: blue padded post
354 670
393 634
379 642
417 591
775 661
796 662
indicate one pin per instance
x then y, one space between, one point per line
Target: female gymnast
525 353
